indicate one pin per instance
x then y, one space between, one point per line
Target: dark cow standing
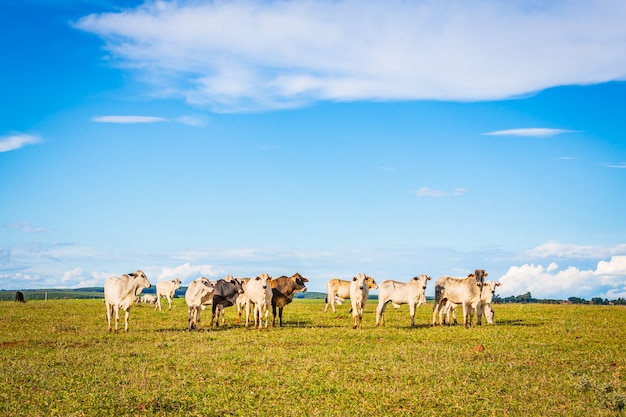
19 297
225 295
283 289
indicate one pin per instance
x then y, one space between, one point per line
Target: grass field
539 360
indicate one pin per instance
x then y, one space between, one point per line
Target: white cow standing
411 293
166 289
259 294
197 292
120 292
463 291
359 291
482 309
337 290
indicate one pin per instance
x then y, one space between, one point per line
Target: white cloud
238 55
26 227
555 249
17 141
128 119
189 272
430 192
607 280
535 132
72 274
621 165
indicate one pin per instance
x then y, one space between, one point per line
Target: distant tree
577 300
597 300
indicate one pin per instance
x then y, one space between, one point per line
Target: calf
225 295
337 290
196 292
411 293
258 292
283 289
464 291
119 293
166 289
19 297
359 291
148 298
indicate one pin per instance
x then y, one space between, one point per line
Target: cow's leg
126 316
380 313
412 307
273 315
280 316
435 310
109 314
117 317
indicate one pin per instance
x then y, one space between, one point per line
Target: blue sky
328 138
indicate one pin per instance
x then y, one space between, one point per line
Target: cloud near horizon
255 55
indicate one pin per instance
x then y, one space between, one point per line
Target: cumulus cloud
536 132
607 280
243 55
17 141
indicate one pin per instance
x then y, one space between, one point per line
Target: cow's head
422 280
238 284
176 282
140 279
265 280
360 281
371 284
299 281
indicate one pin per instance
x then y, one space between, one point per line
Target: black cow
283 289
19 297
225 295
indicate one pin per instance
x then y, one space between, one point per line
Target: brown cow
19 297
283 289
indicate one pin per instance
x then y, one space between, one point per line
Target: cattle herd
256 295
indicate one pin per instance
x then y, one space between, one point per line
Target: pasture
538 360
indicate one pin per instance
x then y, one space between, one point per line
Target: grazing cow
225 295
411 293
148 299
119 293
19 297
283 289
337 290
359 291
259 293
197 290
483 308
166 289
463 291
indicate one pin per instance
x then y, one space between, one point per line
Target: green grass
58 359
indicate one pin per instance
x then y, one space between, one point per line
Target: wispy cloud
256 54
128 119
430 192
620 165
535 132
26 227
17 141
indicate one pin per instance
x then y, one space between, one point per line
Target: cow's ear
428 278
498 284
258 278
354 279
269 278
132 274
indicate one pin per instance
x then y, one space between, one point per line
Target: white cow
411 293
359 291
259 294
166 289
463 291
242 299
148 299
337 290
197 291
119 293
483 308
